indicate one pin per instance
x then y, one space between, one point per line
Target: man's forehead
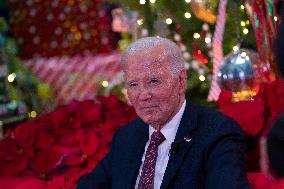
147 71
154 65
153 61
147 59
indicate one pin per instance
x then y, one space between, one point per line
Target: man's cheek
131 97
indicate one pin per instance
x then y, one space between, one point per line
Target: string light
243 23
207 40
205 27
275 18
243 54
152 1
140 22
235 48
105 84
187 1
144 32
177 37
186 55
247 22
186 65
187 15
169 21
202 78
242 7
11 77
33 114
245 31
196 35
142 2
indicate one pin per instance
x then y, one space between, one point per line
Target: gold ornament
78 36
203 10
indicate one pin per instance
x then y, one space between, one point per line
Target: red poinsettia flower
17 149
108 102
62 145
87 112
89 143
13 157
88 146
115 109
44 140
24 134
45 162
106 130
59 117
69 139
67 179
22 183
75 159
100 154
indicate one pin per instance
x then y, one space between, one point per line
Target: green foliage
175 9
25 87
197 91
3 25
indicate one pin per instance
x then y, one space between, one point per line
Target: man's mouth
147 107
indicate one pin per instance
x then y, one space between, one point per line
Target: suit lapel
136 150
183 141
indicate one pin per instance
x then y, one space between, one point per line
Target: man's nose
144 93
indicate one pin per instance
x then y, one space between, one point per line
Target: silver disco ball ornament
237 71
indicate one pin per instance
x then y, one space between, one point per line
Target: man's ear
182 81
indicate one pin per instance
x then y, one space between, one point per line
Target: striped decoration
75 77
217 50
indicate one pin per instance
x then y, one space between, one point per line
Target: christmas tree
21 94
192 24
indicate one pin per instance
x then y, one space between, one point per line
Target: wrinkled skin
153 89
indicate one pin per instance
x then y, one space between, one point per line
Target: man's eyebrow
154 77
131 81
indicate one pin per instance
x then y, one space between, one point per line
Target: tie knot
157 138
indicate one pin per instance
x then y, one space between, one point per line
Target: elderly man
175 144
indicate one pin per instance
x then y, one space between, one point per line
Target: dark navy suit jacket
208 153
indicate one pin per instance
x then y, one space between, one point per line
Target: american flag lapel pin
187 139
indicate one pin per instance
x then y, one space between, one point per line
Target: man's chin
146 118
151 121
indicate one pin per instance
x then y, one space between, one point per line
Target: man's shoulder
213 120
127 136
210 114
132 127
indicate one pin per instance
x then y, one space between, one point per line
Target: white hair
171 50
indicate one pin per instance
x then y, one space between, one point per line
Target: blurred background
61 57
58 50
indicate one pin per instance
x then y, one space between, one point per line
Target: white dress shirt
169 131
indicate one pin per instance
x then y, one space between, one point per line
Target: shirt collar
170 129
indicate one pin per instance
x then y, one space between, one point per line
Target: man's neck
159 127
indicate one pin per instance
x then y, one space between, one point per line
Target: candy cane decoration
217 50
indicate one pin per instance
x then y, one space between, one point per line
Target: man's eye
132 84
154 81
